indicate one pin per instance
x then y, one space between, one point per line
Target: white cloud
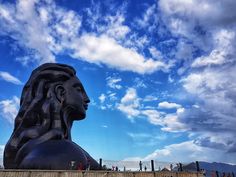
43 29
205 25
107 100
203 83
139 83
224 51
155 53
105 50
170 79
129 104
168 122
168 105
187 152
184 50
102 98
153 116
109 24
9 78
206 31
172 123
190 152
215 89
150 98
112 96
112 82
116 29
207 13
27 29
9 109
149 19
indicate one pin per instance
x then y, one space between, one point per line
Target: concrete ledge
62 173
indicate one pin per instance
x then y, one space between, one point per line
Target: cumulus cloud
188 151
209 28
9 109
23 24
223 52
205 25
130 103
47 30
105 50
182 15
168 105
213 120
132 106
9 78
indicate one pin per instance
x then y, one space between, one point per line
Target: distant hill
209 167
220 167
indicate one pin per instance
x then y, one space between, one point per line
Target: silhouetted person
140 166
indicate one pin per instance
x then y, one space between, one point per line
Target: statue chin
56 155
75 115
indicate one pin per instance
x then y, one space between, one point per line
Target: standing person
171 167
140 166
145 168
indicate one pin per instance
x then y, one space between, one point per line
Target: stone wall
43 173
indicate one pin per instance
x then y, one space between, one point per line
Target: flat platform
74 173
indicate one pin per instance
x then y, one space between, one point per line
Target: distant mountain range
209 168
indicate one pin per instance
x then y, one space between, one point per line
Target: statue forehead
73 80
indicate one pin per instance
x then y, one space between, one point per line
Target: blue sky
160 74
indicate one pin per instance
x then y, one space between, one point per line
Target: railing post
152 165
100 163
180 167
197 165
217 174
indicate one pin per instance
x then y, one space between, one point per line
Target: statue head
51 100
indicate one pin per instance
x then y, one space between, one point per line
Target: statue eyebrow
78 85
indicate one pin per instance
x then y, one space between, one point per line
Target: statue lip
85 106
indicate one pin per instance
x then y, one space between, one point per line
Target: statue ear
60 92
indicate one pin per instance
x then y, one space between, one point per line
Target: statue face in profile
73 95
51 100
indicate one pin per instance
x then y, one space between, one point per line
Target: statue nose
86 98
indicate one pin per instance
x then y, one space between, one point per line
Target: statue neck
66 116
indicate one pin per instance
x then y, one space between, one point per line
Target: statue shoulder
54 154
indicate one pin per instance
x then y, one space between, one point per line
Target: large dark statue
51 100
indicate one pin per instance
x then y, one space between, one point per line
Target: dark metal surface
51 100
